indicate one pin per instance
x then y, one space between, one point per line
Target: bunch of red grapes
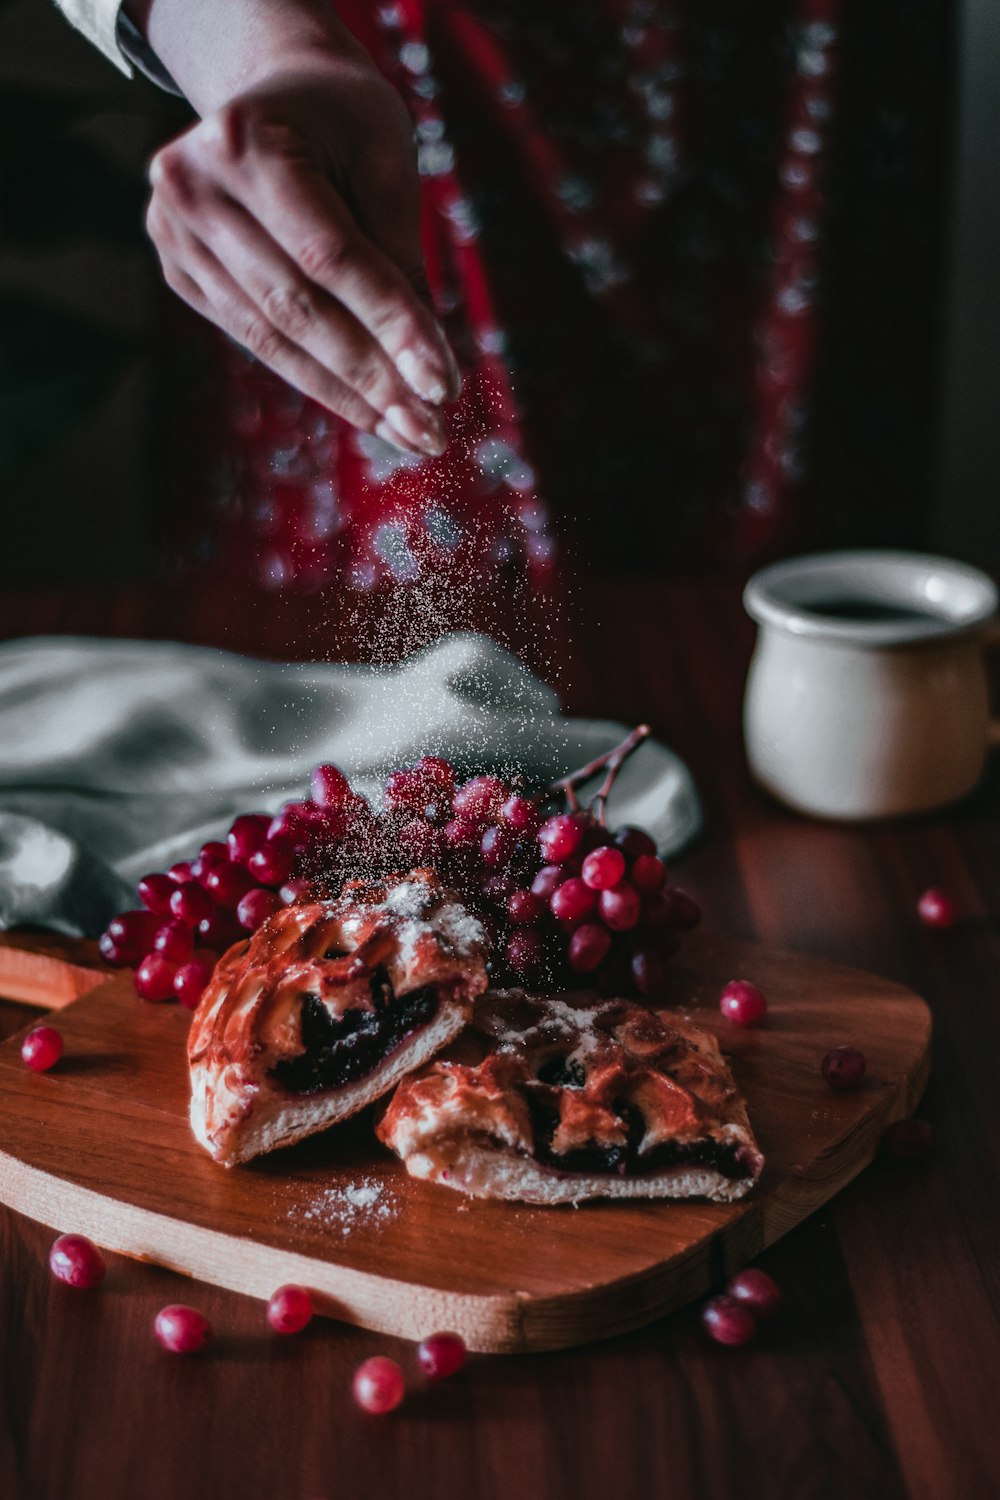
565 899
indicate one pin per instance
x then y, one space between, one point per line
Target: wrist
219 52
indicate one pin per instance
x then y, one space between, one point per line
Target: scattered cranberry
742 1003
42 1048
728 1321
756 1290
441 1355
290 1309
76 1261
379 1386
844 1067
154 978
909 1140
181 1329
937 908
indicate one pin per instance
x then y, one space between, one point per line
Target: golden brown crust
408 927
593 1072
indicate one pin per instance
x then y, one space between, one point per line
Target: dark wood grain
878 1377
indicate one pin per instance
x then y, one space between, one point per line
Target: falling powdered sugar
365 1203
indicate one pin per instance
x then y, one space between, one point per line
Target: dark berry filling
727 1158
339 1051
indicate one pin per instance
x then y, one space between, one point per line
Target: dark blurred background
901 445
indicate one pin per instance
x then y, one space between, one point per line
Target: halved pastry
548 1101
326 1007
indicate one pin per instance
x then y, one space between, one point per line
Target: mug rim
779 595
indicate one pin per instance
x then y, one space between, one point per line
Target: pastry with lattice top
326 1007
555 1099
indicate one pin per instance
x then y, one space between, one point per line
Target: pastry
326 1007
548 1100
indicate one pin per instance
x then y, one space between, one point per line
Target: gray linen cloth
119 757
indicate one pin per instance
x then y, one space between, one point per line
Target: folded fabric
119 757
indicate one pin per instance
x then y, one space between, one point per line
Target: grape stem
610 762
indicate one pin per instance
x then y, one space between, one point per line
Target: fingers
205 284
312 225
222 260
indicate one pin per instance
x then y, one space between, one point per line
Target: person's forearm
217 50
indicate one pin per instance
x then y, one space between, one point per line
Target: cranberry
155 892
256 906
228 884
480 799
603 868
909 1140
526 952
192 978
441 1355
174 940
647 971
573 900
498 845
289 1309
133 931
588 947
190 902
648 873
937 908
209 855
621 908
42 1048
633 842
181 1329
154 978
111 953
378 1385
728 1321
219 930
756 1290
547 882
521 814
271 865
246 836
77 1261
329 786
844 1067
742 1003
560 837
524 908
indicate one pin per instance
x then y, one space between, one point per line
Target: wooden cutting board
101 1147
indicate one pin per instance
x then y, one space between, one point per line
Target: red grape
621 908
648 873
480 799
647 972
422 842
192 977
603 868
246 836
521 813
526 952
155 892
256 906
497 845
133 932
175 941
588 947
524 908
271 865
191 902
208 856
154 978
634 841
547 882
560 837
573 900
228 884
219 930
329 786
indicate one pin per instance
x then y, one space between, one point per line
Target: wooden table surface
880 1376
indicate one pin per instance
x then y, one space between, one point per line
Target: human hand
289 216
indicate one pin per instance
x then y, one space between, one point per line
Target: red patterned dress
621 210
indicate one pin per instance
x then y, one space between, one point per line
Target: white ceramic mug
867 695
